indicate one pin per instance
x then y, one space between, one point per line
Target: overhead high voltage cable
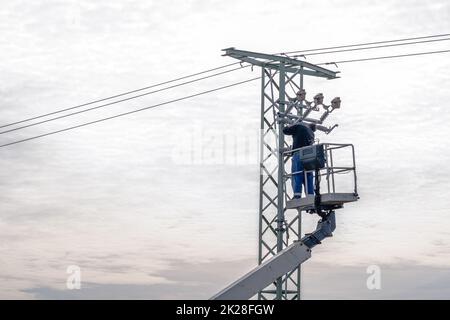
114 102
127 113
118 95
383 57
210 70
372 47
202 93
367 43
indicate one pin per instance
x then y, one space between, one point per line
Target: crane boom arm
280 264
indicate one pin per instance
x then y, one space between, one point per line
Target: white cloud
110 190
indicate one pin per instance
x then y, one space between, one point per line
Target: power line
187 82
373 47
202 78
119 101
117 95
199 73
384 57
367 43
127 113
205 92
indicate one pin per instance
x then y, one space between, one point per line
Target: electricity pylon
281 78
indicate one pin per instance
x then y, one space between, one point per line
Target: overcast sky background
114 199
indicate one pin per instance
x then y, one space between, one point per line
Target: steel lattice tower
281 78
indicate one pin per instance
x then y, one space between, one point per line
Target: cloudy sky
118 200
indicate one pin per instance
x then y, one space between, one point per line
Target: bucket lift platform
319 160
330 201
319 157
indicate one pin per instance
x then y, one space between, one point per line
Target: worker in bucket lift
302 135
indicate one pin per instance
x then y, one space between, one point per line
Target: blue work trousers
298 179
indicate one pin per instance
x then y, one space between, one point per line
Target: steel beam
269 59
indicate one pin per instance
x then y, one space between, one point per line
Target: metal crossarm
272 61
